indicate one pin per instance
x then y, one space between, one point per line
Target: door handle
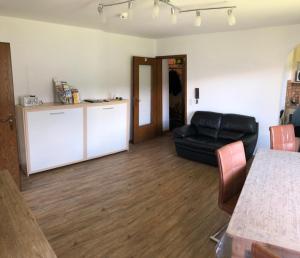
9 119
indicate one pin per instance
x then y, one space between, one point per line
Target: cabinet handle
108 108
57 113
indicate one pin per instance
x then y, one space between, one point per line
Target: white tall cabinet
54 135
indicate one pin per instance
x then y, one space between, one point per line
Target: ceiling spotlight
155 12
198 19
130 9
173 16
231 17
101 13
124 16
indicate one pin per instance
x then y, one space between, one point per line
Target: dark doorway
173 84
176 92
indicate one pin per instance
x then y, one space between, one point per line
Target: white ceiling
249 14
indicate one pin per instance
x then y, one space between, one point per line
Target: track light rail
117 3
208 9
175 10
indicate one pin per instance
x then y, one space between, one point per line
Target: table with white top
268 209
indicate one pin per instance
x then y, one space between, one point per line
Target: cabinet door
55 138
106 129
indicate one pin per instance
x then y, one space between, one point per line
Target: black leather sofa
209 131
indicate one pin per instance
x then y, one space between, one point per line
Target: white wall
96 62
296 60
238 72
287 75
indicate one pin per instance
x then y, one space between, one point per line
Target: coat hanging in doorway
175 86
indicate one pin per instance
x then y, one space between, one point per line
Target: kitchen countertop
53 105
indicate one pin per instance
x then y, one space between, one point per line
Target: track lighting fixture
198 19
156 10
173 16
231 17
130 9
101 13
124 16
174 11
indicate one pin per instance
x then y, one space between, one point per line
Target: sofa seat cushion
201 144
184 131
230 135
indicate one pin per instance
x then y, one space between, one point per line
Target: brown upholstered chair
259 251
282 137
232 175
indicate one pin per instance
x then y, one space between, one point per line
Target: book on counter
65 93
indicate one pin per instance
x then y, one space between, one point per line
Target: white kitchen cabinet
54 135
55 138
107 130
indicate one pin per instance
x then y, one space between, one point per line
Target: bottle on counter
75 95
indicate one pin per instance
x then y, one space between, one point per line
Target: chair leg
214 237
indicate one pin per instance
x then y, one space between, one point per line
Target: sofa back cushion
207 123
238 123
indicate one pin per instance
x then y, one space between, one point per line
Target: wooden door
8 136
145 99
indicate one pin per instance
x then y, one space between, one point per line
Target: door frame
158 93
160 90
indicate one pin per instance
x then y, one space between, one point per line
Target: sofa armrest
250 141
184 131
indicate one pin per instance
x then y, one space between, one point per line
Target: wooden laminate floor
145 203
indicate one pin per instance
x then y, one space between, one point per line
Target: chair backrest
296 117
232 170
282 137
259 251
